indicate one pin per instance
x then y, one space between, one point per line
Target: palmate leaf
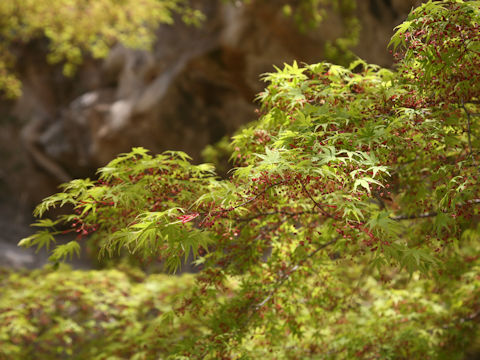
398 37
172 264
155 230
418 260
352 211
62 252
356 63
328 172
271 157
365 183
411 259
40 239
382 223
59 199
45 223
328 155
377 169
443 221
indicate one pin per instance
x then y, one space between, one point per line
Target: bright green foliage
90 315
163 186
442 49
114 314
351 177
73 26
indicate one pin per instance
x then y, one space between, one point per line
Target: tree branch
430 213
256 196
285 276
469 130
208 215
279 212
316 204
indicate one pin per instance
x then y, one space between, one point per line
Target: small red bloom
187 218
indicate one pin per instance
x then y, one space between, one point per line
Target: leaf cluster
349 174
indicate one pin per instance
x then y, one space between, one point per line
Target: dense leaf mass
123 314
350 226
89 315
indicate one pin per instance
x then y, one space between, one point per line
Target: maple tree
349 227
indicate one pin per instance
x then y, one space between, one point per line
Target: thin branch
430 213
414 216
256 196
469 130
208 215
316 204
279 212
381 202
471 317
285 276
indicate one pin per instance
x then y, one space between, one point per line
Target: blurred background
192 84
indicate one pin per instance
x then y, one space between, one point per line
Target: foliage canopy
350 226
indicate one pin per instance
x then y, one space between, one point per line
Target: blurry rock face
197 85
